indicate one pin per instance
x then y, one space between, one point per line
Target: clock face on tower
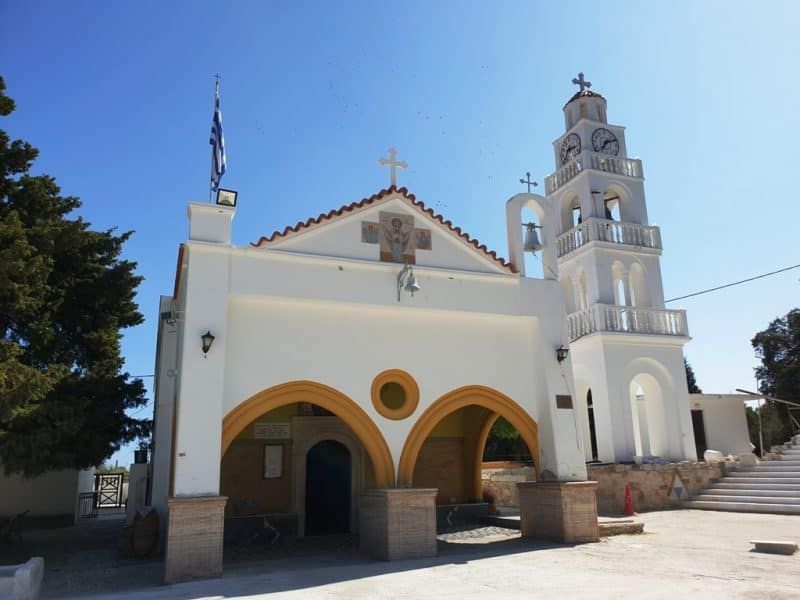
604 141
570 148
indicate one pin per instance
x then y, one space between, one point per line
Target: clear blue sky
118 98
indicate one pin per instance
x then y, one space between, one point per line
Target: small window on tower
584 111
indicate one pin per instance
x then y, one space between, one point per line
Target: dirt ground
682 553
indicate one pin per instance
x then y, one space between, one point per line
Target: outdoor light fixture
208 339
227 197
532 243
561 353
406 276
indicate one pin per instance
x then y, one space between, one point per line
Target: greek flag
217 142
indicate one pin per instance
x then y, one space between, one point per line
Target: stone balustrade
607 230
630 167
627 319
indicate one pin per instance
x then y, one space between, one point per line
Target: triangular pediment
391 226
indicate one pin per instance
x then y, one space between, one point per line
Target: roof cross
393 165
527 181
581 82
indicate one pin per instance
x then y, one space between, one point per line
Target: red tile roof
349 208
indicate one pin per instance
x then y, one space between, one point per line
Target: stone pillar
194 538
562 511
398 523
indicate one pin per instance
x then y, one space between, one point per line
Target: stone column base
194 538
398 523
562 511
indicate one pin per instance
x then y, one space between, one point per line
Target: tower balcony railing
607 230
630 167
627 319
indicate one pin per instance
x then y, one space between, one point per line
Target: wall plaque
273 461
272 431
563 401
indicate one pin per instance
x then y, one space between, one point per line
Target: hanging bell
412 285
531 239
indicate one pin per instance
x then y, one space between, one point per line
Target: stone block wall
502 482
562 511
650 484
398 523
194 538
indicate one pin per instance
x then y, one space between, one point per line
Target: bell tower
626 347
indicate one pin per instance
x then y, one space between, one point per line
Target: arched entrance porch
444 448
289 449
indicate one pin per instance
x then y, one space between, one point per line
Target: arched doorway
328 481
327 398
592 426
477 408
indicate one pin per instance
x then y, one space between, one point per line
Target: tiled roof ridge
347 208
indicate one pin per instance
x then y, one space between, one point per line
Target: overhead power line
727 285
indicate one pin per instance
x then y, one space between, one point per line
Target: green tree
505 443
778 347
691 382
65 294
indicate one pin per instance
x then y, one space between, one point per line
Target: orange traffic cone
628 510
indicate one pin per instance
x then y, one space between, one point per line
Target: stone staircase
769 487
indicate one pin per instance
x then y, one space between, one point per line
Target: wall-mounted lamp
208 339
531 243
561 353
406 276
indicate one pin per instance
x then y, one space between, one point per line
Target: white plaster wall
198 407
607 363
53 493
341 237
598 263
725 422
280 315
163 411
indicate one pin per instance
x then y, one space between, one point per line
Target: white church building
342 375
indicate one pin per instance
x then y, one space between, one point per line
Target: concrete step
791 509
763 480
708 497
745 490
776 465
754 484
767 474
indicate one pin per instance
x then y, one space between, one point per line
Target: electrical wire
727 285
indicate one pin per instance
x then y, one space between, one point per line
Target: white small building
720 423
52 497
347 370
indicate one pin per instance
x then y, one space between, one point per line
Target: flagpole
211 175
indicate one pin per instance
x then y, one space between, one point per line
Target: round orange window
395 394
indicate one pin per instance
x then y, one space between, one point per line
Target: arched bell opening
571 212
638 285
532 243
649 419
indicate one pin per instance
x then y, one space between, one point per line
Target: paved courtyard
682 553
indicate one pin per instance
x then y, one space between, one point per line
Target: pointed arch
329 399
452 401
